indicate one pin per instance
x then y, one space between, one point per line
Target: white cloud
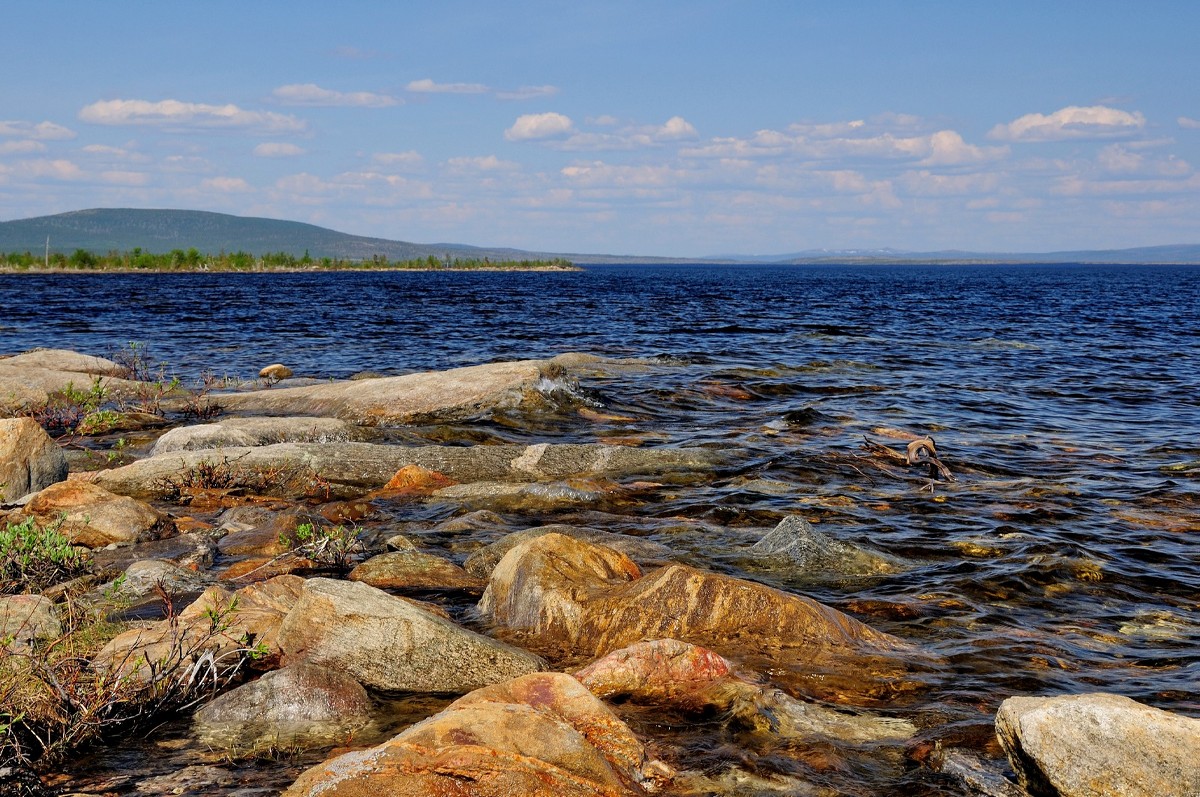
42 131
277 149
675 129
947 148
184 115
228 185
489 163
54 169
827 130
599 173
536 126
427 86
1096 121
311 94
21 147
604 120
410 159
1189 123
527 93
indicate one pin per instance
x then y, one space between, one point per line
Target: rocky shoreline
296 620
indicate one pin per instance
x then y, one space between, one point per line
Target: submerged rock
340 470
387 643
558 591
1099 745
542 735
233 432
409 568
29 459
302 705
794 545
94 517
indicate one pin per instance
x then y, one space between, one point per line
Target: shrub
64 410
330 546
35 556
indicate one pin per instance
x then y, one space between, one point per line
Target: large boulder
1099 745
351 469
298 706
390 644
435 395
481 562
95 517
232 432
555 591
29 459
542 735
218 622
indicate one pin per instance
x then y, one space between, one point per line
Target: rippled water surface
1066 399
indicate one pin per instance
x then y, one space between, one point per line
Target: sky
652 128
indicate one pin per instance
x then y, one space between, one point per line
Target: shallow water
1066 400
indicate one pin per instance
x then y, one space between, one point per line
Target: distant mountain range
122 229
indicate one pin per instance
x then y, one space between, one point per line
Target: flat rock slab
27 380
256 432
350 469
391 644
1099 745
414 398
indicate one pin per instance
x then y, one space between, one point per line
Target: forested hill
124 229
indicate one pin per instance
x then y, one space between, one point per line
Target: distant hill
102 230
158 231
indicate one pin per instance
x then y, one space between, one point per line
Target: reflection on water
1066 400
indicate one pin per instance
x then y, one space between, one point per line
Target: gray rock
351 469
28 617
255 432
27 380
387 643
794 545
643 552
1099 745
479 520
142 578
29 459
302 705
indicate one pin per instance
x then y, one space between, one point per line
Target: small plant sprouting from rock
34 556
329 546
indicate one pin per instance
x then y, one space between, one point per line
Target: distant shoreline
365 269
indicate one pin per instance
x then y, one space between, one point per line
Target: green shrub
35 556
331 546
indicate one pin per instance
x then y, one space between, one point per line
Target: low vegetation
329 546
194 260
34 556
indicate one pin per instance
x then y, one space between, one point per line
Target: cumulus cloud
42 131
537 126
277 149
428 86
311 94
676 129
229 185
185 115
527 93
1189 123
21 147
1096 121
947 148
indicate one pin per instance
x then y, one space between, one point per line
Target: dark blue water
1065 398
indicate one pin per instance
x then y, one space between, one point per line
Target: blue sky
658 128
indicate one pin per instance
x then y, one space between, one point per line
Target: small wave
997 343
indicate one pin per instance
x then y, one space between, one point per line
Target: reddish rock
414 478
94 517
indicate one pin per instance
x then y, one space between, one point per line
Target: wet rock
643 552
1099 744
523 498
794 545
96 517
233 432
275 371
558 591
436 395
479 520
414 478
542 735
386 643
412 569
195 779
143 578
691 678
302 705
343 470
29 459
24 618
254 614
261 568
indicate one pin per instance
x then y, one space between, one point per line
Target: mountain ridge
163 230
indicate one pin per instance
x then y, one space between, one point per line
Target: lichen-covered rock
557 591
391 644
298 706
94 517
29 459
233 432
413 569
541 735
1099 745
795 547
